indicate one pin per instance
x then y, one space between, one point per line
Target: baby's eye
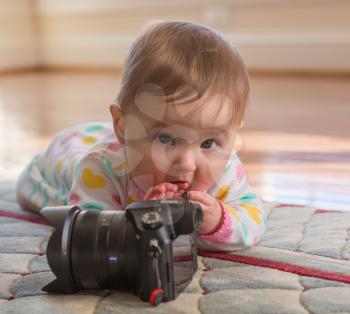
207 143
166 139
163 138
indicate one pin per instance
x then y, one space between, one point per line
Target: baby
181 104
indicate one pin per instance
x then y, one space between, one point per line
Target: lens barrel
99 255
91 249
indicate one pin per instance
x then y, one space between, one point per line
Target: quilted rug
302 265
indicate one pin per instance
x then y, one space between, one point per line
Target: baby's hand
165 190
211 210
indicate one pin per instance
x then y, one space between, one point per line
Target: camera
149 249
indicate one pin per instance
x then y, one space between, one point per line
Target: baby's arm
95 184
243 220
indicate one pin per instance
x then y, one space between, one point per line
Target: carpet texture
302 265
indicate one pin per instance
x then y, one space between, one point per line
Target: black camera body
149 249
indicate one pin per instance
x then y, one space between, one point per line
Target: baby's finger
153 191
199 196
162 188
148 194
158 196
180 192
170 186
159 189
169 194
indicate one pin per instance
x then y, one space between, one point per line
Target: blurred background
61 62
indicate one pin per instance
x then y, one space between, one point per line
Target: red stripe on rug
288 205
30 218
327 211
300 270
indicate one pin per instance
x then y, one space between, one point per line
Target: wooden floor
295 144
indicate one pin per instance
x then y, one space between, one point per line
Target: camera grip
155 284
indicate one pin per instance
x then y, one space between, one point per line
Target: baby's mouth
181 184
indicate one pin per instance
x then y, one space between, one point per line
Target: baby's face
169 143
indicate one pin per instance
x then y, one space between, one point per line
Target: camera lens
99 252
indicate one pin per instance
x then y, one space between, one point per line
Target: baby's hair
175 55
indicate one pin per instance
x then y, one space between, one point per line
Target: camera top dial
151 220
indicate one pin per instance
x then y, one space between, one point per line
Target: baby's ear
242 124
118 123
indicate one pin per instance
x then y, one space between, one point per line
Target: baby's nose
185 161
